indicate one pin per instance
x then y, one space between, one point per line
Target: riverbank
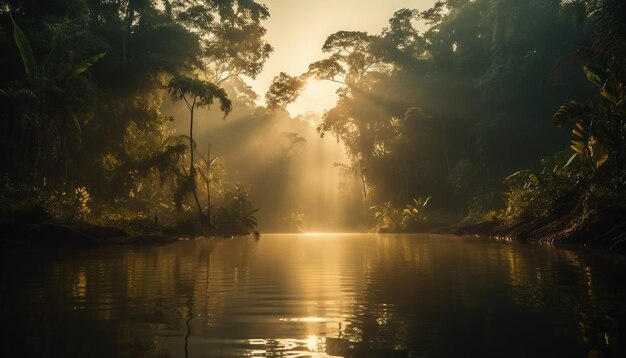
605 230
73 235
85 235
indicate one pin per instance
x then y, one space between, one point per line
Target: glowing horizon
297 30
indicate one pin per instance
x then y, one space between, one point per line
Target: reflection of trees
484 298
113 302
566 279
437 296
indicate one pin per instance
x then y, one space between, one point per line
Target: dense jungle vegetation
84 136
437 123
447 113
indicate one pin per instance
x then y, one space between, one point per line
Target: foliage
419 111
283 91
230 35
387 217
543 194
595 172
236 216
444 112
195 93
391 218
599 127
33 204
294 223
414 212
76 118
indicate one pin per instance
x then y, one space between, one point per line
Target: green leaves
198 93
570 111
391 218
610 88
597 123
26 52
83 199
588 146
85 65
581 135
522 179
593 77
414 212
387 216
34 71
284 90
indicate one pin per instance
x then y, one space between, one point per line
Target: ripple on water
314 295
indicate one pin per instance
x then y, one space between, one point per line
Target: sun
317 96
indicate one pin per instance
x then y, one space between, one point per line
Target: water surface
350 295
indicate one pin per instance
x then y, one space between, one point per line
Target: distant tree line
451 111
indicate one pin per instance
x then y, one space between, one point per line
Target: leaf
592 77
86 64
578 133
569 111
608 95
578 147
26 52
212 161
571 159
202 92
76 130
601 159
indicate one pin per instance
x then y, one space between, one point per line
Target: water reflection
315 296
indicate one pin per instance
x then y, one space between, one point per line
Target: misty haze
262 178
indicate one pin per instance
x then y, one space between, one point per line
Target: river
315 295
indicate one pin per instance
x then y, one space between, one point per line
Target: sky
297 30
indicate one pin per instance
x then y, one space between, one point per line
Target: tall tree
196 93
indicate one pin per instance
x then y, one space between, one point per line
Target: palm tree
208 176
197 93
47 88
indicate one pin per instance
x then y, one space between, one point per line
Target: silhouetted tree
197 94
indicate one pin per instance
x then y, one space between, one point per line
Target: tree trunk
208 185
192 169
363 180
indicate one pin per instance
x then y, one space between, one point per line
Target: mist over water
289 169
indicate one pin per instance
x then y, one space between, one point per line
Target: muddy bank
606 229
74 235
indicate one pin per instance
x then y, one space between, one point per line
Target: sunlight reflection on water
289 347
314 295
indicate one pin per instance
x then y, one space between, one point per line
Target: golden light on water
312 343
303 319
323 233
313 233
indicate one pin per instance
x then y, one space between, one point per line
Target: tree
197 93
608 21
350 59
283 91
49 87
230 36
